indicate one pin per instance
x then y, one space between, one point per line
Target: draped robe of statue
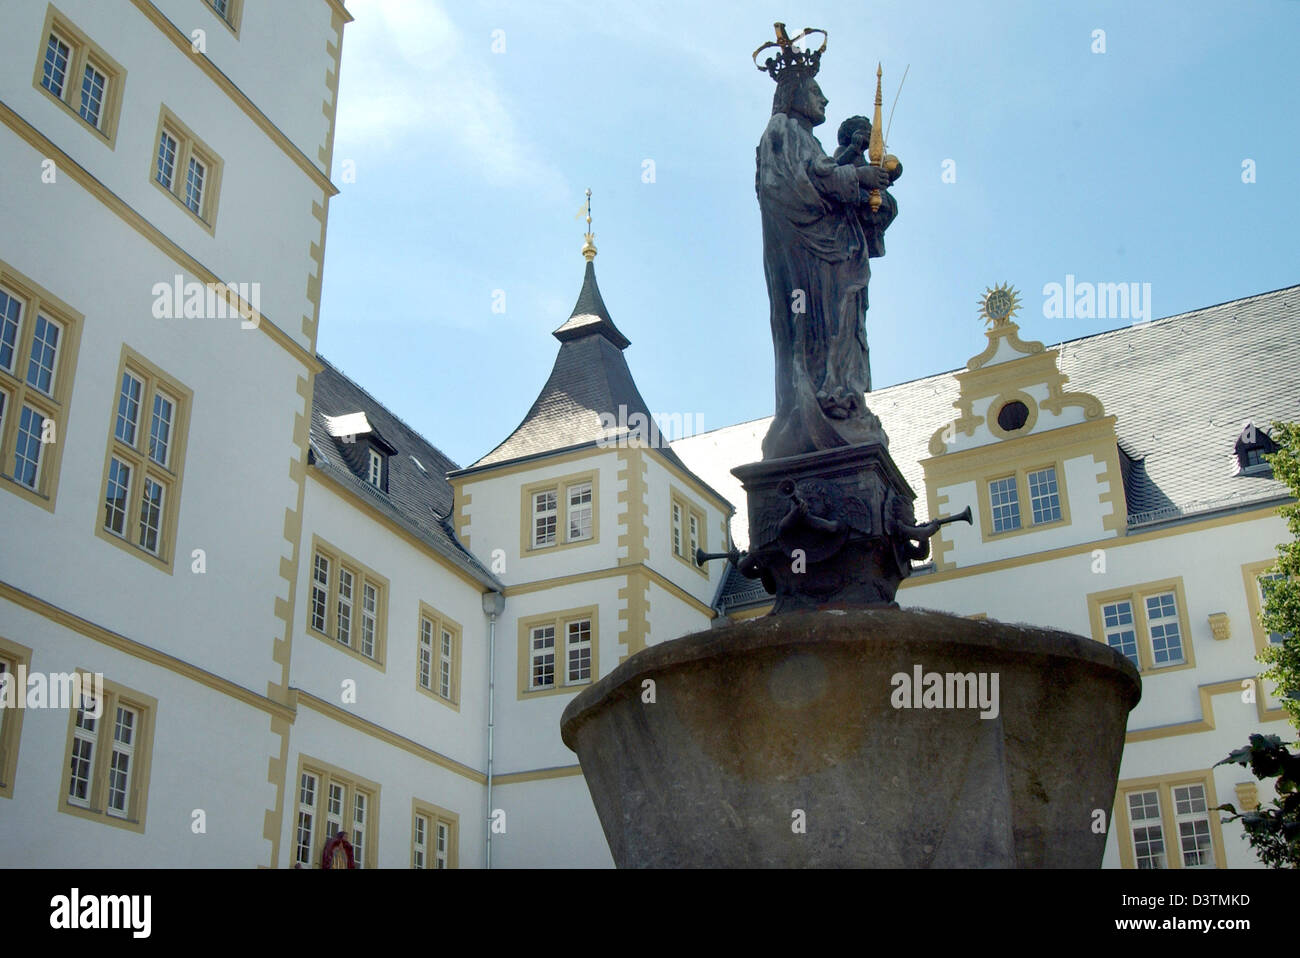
817 239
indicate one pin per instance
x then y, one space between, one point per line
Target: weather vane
589 247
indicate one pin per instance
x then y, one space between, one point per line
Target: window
1146 623
438 656
1256 577
228 12
186 169
1168 822
433 836
347 604
557 651
559 513
1250 450
1006 505
686 528
330 801
1022 501
79 76
148 426
38 356
110 744
376 472
13 658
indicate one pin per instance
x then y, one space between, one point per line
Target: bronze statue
819 231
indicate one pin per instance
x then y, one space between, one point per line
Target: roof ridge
384 406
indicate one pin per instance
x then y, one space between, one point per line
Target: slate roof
590 377
417 499
1181 389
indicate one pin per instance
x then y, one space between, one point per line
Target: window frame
362 575
1164 786
327 775
435 815
1251 572
96 807
1138 594
561 486
233 16
680 501
439 623
138 457
560 621
35 301
188 144
12 655
1024 499
83 52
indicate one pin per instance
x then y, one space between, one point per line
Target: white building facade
310 621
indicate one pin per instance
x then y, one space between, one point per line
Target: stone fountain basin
775 742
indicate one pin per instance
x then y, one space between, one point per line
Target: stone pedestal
784 742
818 527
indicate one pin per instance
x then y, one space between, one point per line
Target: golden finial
876 148
589 247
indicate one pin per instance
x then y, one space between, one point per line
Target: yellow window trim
1165 785
1249 576
560 485
36 300
11 720
440 622
188 144
1136 594
233 16
361 574
435 814
327 774
137 457
82 50
688 508
1027 524
146 707
560 620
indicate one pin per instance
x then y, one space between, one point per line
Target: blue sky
470 167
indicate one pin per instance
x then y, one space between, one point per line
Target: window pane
128 409
166 159
45 348
320 577
444 665
1148 835
54 71
543 656
306 816
151 515
93 85
579 651
580 512
545 518
344 617
194 186
1005 500
119 485
376 469
426 654
10 313
1117 618
369 612
160 429
1044 496
27 456
1166 640
677 529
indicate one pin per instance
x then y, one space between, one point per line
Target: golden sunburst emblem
999 304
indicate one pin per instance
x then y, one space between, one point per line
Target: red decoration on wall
338 853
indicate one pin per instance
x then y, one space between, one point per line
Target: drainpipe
493 603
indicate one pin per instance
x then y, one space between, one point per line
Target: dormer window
1251 448
376 476
364 451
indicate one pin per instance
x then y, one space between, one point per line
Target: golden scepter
876 146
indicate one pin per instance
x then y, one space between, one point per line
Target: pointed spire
589 316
